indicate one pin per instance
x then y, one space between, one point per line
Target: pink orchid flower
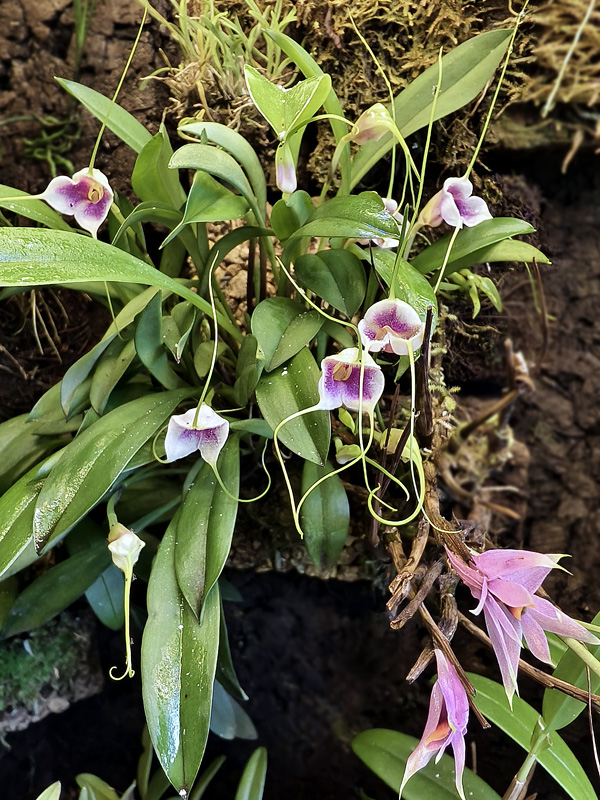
87 196
505 582
454 205
446 724
340 382
392 326
207 434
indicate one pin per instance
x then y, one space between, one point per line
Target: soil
317 658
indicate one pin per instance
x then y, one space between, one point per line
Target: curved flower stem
446 257
129 672
239 499
584 654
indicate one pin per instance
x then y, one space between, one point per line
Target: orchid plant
181 392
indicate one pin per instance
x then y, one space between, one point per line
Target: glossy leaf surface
519 723
252 784
179 658
324 516
386 752
287 390
336 276
283 327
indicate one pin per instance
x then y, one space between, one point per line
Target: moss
46 660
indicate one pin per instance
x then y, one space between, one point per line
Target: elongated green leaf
361 216
51 793
36 210
179 658
109 371
56 589
252 784
309 67
559 709
205 528
236 146
16 515
209 201
386 752
206 777
119 121
226 673
507 250
97 788
335 275
290 389
410 286
468 241
31 257
105 597
151 178
79 371
150 347
465 71
283 327
92 462
324 516
519 723
290 214
248 369
228 719
21 448
220 164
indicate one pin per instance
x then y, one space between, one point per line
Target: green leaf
290 214
9 590
110 369
21 449
206 777
337 276
79 371
466 70
209 201
205 528
94 460
508 250
252 783
386 752
283 327
239 148
248 370
32 257
285 109
119 121
410 285
97 788
468 241
324 515
56 589
105 597
152 179
361 216
179 658
150 348
36 210
290 389
51 793
519 723
217 162
226 674
228 719
559 709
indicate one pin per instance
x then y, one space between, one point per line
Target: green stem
584 654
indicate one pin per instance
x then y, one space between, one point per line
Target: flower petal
341 380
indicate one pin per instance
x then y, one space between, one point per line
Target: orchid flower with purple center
198 429
392 326
341 380
87 196
505 582
446 724
455 205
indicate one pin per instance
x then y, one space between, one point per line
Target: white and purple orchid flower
285 169
372 124
87 196
446 724
391 326
505 582
198 429
340 382
455 205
